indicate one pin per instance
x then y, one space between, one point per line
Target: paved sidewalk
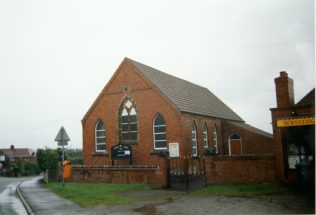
39 200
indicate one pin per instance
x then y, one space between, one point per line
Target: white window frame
96 137
154 133
205 136
215 139
194 141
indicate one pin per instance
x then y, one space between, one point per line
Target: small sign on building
174 150
121 152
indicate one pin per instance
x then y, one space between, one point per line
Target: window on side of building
205 136
194 141
100 136
215 140
128 122
159 133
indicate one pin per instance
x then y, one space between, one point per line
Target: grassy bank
89 195
242 190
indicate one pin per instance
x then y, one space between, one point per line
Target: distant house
25 154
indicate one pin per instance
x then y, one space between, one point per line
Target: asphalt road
9 201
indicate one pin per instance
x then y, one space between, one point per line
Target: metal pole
63 158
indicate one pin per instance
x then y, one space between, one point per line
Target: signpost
62 139
121 152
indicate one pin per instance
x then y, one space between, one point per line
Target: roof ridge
166 73
187 96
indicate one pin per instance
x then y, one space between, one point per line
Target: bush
20 167
210 152
31 169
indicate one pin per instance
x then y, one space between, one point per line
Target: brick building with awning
294 133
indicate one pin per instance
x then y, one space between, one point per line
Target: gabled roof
18 152
307 100
188 97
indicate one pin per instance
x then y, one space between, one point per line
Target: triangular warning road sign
62 135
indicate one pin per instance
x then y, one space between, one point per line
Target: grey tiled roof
188 97
252 129
307 100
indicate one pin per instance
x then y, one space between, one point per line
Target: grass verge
242 190
89 195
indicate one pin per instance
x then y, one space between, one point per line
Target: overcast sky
56 56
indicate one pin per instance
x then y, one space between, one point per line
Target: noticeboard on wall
121 152
174 150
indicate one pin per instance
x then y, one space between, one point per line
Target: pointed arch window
128 122
100 136
160 133
215 140
194 141
205 136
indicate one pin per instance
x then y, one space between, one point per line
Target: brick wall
218 170
122 174
200 121
239 169
251 142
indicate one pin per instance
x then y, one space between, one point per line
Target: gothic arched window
99 137
194 141
160 133
205 136
128 122
215 140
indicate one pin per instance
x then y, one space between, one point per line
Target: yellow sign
296 122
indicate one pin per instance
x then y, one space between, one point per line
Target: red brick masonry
218 170
239 169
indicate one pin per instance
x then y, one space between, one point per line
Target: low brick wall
239 169
152 174
218 170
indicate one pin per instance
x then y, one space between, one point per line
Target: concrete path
39 200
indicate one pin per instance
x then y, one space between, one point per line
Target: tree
74 156
20 166
47 159
7 165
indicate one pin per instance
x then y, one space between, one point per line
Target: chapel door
235 145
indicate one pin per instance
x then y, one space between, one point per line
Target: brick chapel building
148 109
